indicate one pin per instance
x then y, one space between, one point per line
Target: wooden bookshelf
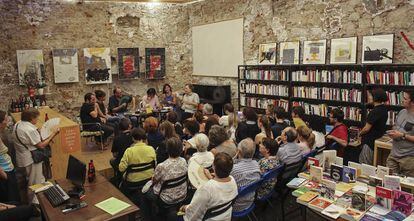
361 78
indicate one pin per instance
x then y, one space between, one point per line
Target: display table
65 143
382 149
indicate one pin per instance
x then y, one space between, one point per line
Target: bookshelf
319 88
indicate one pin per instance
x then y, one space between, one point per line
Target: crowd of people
234 149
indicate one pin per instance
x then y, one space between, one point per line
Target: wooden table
96 192
65 143
381 151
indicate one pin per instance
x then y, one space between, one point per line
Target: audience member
268 149
8 182
150 100
245 171
120 143
339 133
375 126
202 156
289 151
306 139
172 168
220 142
229 120
138 153
168 97
317 124
199 117
26 139
191 128
281 121
270 113
217 191
211 121
266 131
173 118
118 105
190 102
247 128
167 131
402 153
298 113
89 114
154 137
9 212
208 112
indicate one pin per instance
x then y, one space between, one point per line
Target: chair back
136 168
251 188
218 210
290 172
273 173
172 183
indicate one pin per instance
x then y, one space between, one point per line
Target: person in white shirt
190 102
202 156
26 139
219 190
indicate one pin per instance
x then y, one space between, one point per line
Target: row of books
351 113
262 102
274 75
267 89
395 98
335 76
390 78
325 93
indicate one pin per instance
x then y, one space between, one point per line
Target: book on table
384 197
329 157
307 197
349 174
352 214
392 182
300 191
316 174
319 203
333 211
336 172
402 201
328 188
296 182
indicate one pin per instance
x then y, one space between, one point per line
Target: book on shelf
402 201
390 77
264 89
349 174
328 76
353 133
325 93
319 203
273 75
262 102
333 211
392 182
384 197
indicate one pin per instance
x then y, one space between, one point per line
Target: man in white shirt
219 190
190 102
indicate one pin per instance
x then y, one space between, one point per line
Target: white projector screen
218 48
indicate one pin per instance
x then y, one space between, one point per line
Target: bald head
290 134
246 148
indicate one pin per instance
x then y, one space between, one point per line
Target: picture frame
65 65
378 49
30 66
344 50
289 52
314 52
97 65
267 54
128 63
154 63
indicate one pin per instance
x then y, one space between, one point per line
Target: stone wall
31 24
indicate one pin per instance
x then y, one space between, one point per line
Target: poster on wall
97 65
289 52
30 66
344 50
267 53
314 52
155 63
128 63
65 65
377 49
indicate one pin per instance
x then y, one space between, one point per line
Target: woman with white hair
202 156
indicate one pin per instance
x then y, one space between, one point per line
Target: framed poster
65 65
378 49
155 63
344 50
267 53
128 63
97 65
314 52
289 52
30 66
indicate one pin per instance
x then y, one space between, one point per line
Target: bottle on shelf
91 172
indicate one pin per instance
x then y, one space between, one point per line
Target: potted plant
40 87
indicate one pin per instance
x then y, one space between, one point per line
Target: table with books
382 149
352 192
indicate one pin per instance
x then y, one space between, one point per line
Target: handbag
38 155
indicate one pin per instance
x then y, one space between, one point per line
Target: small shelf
391 86
264 81
275 97
256 108
326 84
328 102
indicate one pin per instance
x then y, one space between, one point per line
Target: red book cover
384 197
320 203
312 162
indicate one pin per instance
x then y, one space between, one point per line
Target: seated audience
402 153
89 114
317 124
306 139
268 149
266 131
211 121
245 171
208 112
247 128
339 133
190 102
121 142
8 182
289 151
219 190
199 117
172 168
202 156
191 128
298 114
138 153
220 142
26 139
270 113
229 120
150 100
118 105
154 137
172 117
167 131
168 98
375 126
103 112
281 121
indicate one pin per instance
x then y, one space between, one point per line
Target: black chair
133 189
269 175
170 210
218 210
290 172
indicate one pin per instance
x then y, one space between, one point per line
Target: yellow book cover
308 196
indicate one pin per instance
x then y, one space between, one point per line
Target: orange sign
70 139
